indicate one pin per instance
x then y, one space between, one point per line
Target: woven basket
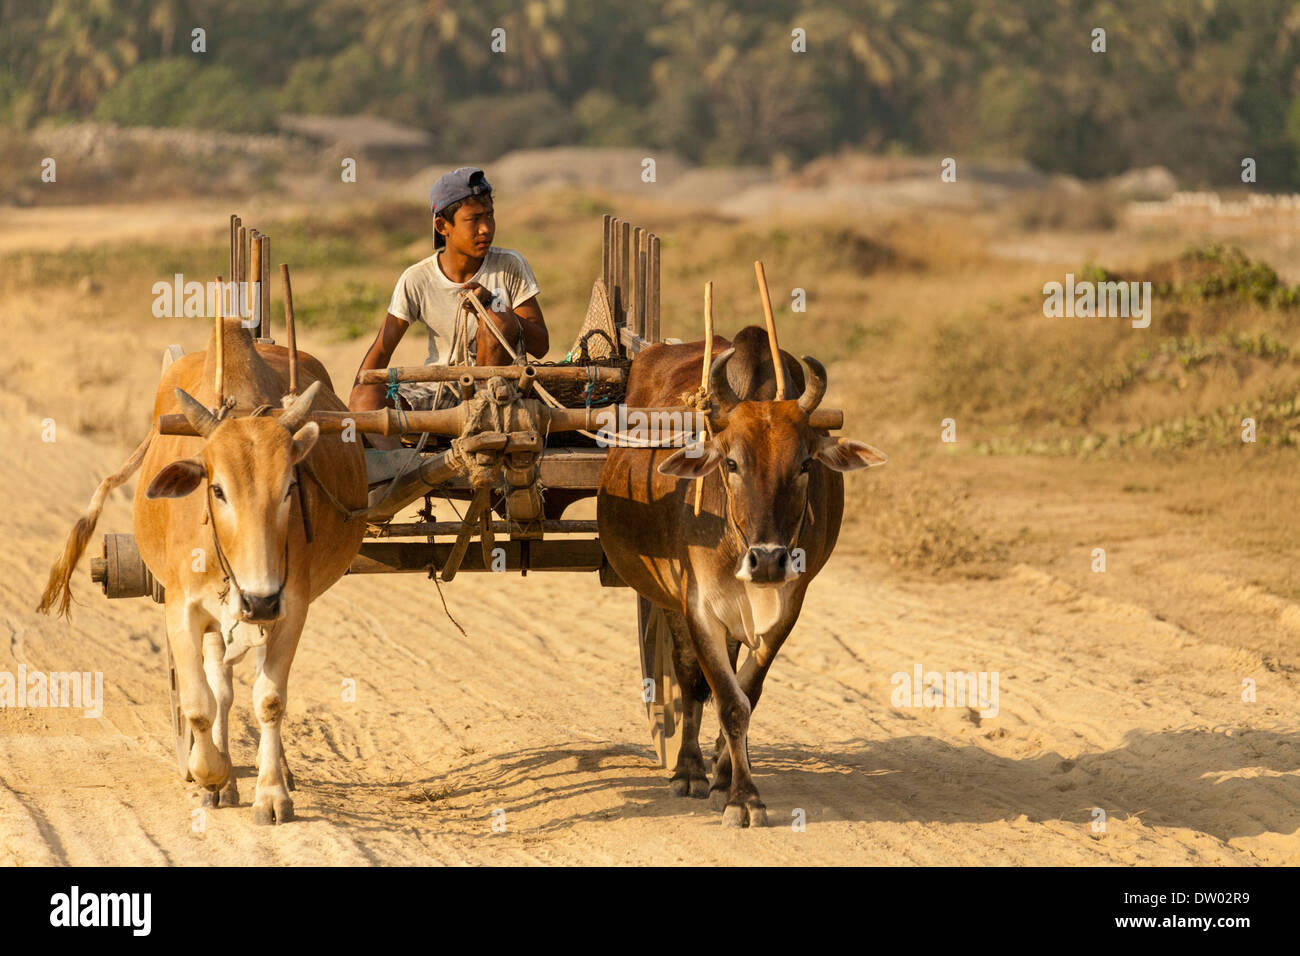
600 318
597 344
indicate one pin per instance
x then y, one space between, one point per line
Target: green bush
182 92
347 83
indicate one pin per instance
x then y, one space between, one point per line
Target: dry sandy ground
536 713
1103 704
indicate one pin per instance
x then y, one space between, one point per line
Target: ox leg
221 681
720 745
208 765
750 678
272 803
689 776
743 806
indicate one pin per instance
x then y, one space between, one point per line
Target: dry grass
918 321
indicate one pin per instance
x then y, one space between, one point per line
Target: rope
550 399
348 513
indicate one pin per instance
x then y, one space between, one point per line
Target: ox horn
204 421
298 412
814 389
721 388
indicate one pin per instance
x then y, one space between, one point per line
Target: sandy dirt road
1121 692
537 713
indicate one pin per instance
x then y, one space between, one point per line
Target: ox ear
303 441
178 479
694 461
845 454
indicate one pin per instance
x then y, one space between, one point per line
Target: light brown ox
738 572
218 521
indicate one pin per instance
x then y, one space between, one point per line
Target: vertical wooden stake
289 329
704 376
636 292
264 330
777 365
605 250
234 240
255 281
241 269
624 268
220 351
652 289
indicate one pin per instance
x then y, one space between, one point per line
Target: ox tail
59 587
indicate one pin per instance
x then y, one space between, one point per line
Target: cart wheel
665 710
181 730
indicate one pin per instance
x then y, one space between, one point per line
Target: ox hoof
210 799
751 814
695 786
717 799
269 812
230 794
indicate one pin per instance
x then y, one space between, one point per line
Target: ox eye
218 493
806 466
732 466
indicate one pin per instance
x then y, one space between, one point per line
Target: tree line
1195 86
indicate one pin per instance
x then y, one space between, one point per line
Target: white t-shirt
425 295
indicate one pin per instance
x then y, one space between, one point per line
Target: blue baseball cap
456 185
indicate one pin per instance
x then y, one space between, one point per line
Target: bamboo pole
704 375
265 254
447 421
606 251
777 364
652 289
624 247
636 305
241 269
452 373
289 329
234 240
255 280
220 351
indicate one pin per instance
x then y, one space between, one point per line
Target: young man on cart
430 292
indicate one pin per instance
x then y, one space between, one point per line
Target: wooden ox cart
505 460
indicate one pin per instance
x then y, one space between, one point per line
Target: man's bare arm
536 338
368 397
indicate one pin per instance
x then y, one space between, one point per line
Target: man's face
473 228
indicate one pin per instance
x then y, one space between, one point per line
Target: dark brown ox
736 574
219 521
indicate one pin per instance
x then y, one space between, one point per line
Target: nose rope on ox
228 573
734 525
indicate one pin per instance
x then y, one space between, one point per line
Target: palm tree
85 47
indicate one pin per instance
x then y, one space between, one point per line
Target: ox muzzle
260 608
767 564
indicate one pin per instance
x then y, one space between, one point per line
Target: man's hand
484 295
